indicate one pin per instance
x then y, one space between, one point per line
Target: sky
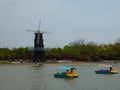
67 20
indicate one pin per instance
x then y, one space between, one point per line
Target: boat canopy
65 68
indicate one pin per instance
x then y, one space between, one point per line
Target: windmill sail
38 38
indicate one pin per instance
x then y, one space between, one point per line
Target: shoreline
65 64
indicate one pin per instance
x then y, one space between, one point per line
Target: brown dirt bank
65 64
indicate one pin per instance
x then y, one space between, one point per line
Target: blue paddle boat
106 71
62 73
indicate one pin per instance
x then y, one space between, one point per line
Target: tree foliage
78 50
15 54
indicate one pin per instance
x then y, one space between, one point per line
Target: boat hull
105 72
63 75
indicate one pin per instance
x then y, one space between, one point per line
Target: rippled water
22 77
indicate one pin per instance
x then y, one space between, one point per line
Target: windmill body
39 50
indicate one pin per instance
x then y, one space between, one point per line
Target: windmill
39 50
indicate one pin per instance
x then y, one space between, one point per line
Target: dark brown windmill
39 50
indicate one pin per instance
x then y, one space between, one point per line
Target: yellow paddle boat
62 73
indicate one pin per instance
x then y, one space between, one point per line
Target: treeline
86 52
15 54
73 51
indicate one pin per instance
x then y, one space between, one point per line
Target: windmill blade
31 30
47 32
35 31
38 38
38 31
39 24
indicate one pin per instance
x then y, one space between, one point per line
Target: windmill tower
39 50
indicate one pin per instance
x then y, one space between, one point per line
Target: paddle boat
62 73
107 71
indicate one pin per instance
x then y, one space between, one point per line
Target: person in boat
67 72
72 71
110 69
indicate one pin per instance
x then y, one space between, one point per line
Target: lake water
23 77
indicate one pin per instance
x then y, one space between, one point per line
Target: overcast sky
68 20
